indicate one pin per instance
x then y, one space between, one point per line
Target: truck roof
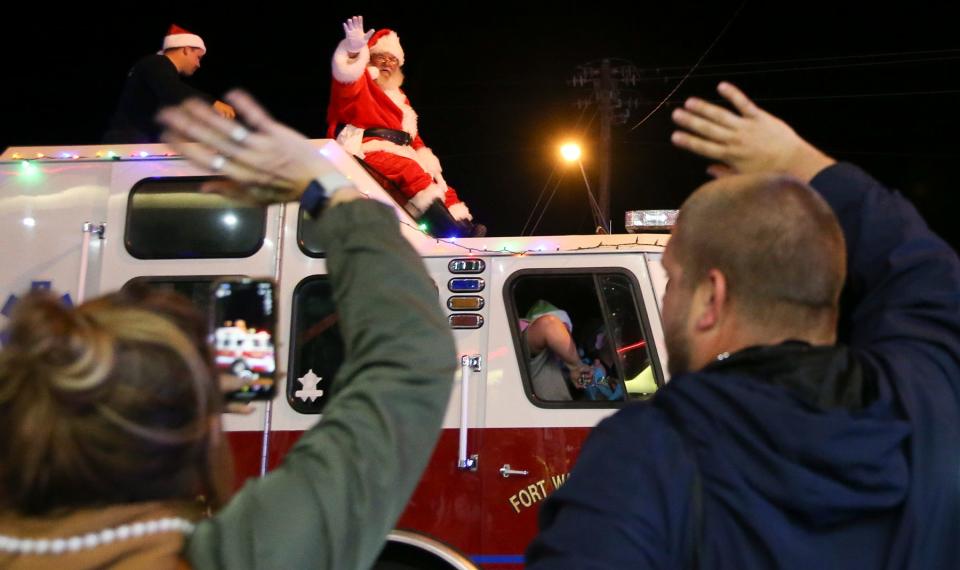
343 164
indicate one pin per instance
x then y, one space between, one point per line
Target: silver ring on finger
218 162
239 134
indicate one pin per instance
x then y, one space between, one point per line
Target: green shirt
343 485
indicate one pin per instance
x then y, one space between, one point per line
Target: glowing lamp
570 152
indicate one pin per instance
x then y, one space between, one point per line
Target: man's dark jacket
153 83
794 456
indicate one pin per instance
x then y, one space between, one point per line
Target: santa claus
371 118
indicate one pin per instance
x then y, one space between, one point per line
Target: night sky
490 82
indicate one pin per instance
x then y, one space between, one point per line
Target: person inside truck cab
598 352
554 364
110 411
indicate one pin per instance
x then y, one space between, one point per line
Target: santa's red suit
358 103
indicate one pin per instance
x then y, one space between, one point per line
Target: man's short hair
777 242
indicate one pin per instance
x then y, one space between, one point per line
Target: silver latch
474 362
96 229
470 463
506 471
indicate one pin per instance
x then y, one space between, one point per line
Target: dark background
876 86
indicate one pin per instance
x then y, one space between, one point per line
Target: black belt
396 137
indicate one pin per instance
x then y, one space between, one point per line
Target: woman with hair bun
110 412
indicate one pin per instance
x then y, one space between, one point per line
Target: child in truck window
554 361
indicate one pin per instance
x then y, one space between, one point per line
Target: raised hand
268 162
748 141
353 32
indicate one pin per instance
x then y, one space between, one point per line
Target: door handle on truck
468 364
89 229
507 472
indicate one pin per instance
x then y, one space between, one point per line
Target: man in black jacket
155 82
798 430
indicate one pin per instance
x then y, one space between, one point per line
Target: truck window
308 236
316 347
170 218
580 338
195 288
631 351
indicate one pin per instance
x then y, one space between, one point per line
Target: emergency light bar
640 221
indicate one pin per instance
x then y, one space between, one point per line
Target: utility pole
604 92
606 77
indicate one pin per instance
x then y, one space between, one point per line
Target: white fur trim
374 71
387 146
389 43
438 178
406 151
183 40
351 139
422 199
429 161
346 69
460 212
409 124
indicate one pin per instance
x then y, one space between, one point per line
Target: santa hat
386 41
177 37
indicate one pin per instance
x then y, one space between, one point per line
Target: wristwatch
313 199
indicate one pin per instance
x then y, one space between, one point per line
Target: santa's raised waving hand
355 36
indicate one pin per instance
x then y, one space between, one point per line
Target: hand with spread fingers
354 34
267 161
750 140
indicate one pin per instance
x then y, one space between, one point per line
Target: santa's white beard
393 82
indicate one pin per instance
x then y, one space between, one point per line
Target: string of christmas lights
100 155
30 169
470 250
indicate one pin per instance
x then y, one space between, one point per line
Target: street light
571 153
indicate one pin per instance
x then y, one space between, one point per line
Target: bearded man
371 117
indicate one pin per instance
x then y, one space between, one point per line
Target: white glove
353 32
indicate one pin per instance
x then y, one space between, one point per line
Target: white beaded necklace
94 539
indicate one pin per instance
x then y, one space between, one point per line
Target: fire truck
243 350
86 220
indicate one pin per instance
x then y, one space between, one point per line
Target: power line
797 68
828 97
806 59
598 215
533 210
692 69
860 95
547 204
950 154
833 97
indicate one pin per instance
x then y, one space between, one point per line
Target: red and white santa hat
386 41
177 37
